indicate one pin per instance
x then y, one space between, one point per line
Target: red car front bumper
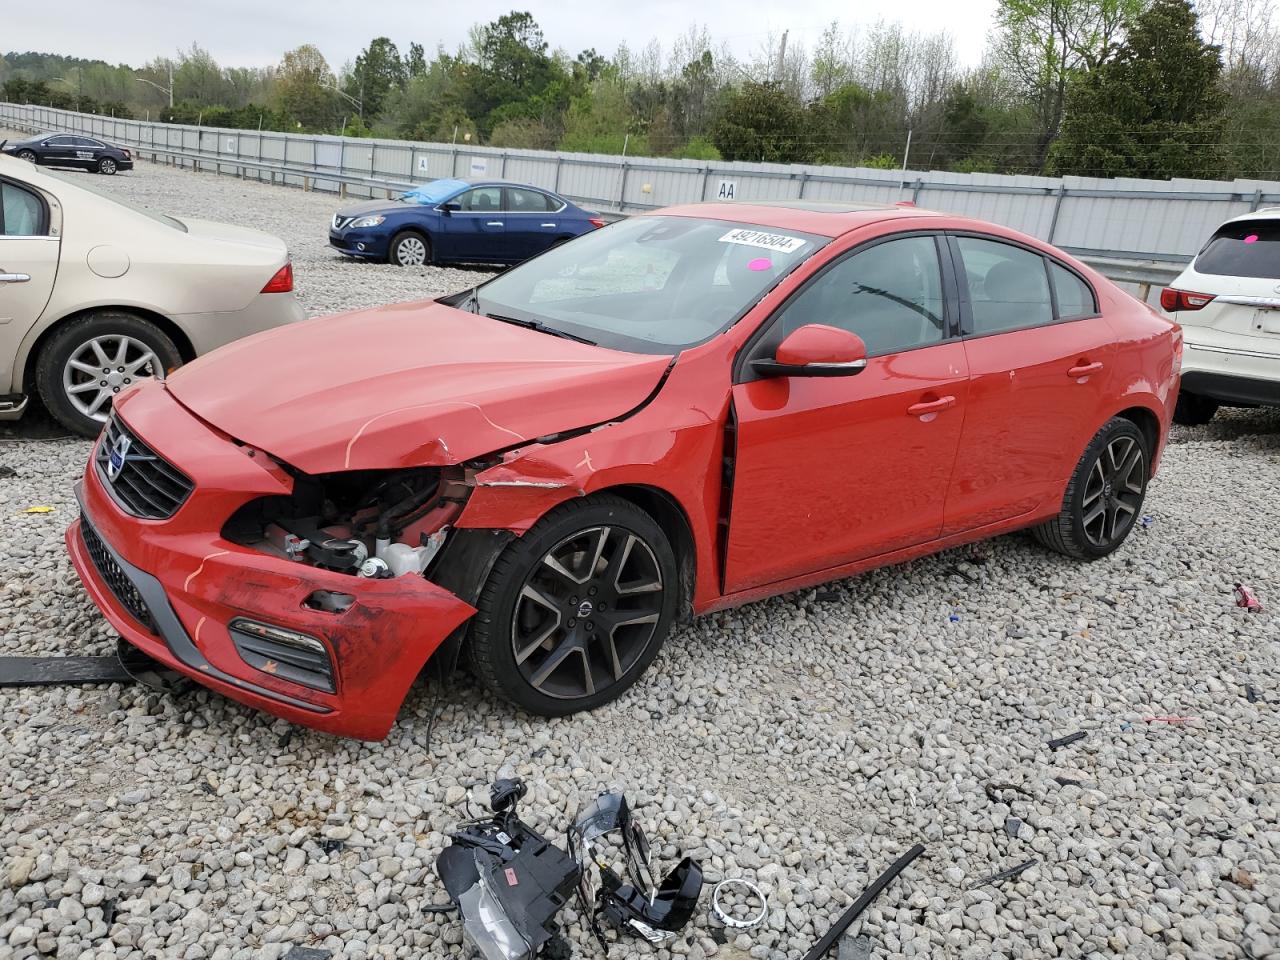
171 587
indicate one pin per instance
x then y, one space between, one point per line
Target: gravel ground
804 741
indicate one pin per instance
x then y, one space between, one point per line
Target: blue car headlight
359 222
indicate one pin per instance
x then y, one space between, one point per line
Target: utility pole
906 153
782 56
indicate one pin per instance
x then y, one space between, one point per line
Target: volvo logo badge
118 456
585 608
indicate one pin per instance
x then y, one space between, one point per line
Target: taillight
282 282
595 222
1171 299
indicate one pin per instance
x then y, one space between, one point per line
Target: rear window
1244 248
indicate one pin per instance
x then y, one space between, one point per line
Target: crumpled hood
414 384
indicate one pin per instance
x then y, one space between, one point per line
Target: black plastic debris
992 789
1251 694
331 847
1012 825
1006 874
1068 782
629 898
6 472
508 881
61 671
1066 741
307 953
820 948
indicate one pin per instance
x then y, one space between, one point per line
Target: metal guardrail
1120 266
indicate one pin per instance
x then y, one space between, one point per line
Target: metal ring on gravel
729 921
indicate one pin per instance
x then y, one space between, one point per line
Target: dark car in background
71 150
460 221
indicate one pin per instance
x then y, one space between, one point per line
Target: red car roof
825 218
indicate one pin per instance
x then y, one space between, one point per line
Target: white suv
1228 303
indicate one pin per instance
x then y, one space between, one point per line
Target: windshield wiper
540 327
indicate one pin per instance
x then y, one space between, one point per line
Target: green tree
1155 110
415 61
303 88
761 122
378 70
1044 43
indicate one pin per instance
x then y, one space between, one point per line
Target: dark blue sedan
459 221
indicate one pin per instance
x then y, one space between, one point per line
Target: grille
340 222
144 484
114 577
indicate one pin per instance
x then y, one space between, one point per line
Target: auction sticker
766 241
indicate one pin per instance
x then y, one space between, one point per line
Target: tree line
1106 88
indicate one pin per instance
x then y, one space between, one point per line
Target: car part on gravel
60 671
873 890
1006 874
728 919
1245 598
631 900
507 880
1066 741
150 672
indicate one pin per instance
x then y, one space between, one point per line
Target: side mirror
451 207
816 350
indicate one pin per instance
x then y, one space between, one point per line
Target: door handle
494 223
1084 369
931 406
548 224
14 277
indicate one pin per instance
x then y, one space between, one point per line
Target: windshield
648 284
434 192
78 181
1245 248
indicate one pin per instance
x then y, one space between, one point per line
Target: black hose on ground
846 919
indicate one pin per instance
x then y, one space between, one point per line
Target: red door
831 470
1038 383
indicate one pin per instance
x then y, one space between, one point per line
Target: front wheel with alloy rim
1104 495
577 608
108 166
89 361
409 249
27 155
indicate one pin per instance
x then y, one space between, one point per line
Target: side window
481 199
890 295
85 142
61 142
1008 286
1075 297
21 213
527 201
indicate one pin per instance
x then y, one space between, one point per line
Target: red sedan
682 412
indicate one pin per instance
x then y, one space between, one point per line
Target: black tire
1193 410
507 615
1118 488
401 243
27 155
106 166
71 338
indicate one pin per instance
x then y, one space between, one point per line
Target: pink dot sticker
760 263
1251 238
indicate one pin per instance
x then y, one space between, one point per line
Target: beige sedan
95 293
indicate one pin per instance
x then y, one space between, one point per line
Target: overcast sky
255 33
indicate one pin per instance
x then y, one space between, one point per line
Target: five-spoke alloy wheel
577 608
1104 496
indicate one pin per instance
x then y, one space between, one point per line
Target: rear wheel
1104 496
1194 410
577 608
90 360
27 155
409 249
108 166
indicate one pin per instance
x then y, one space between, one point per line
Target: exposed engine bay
368 523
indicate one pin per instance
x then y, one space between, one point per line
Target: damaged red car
682 412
